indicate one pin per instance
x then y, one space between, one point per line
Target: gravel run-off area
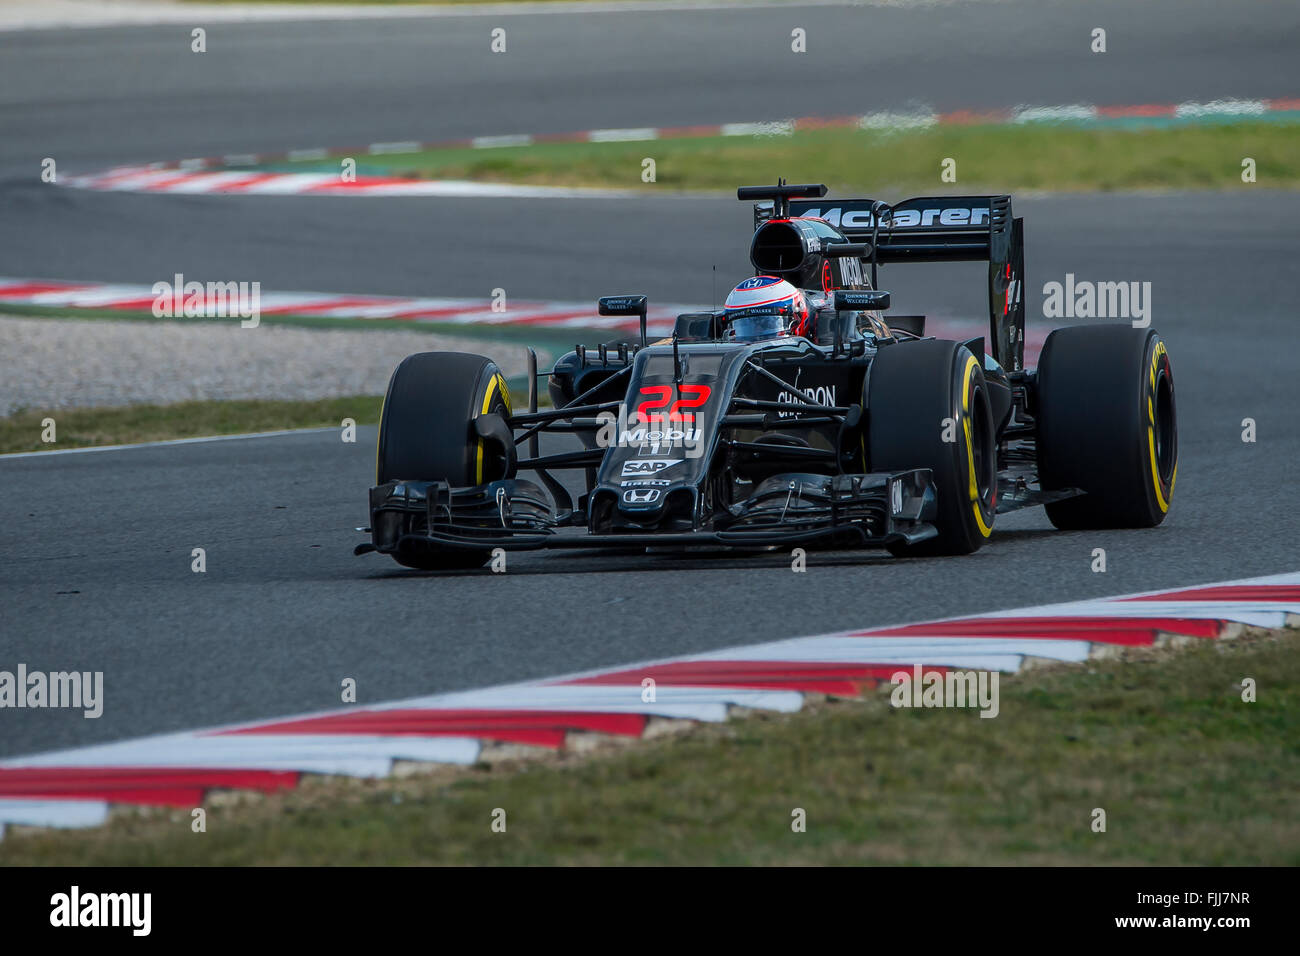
68 363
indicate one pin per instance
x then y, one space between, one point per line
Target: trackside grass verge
1161 740
872 162
131 424
83 427
78 427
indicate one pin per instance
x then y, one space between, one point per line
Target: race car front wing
871 510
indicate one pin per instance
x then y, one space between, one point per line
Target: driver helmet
765 307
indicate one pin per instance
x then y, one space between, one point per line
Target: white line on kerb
622 135
773 128
378 149
171 441
493 142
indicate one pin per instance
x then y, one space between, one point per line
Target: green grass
1003 158
84 427
1187 773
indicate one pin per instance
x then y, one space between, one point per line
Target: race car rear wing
941 229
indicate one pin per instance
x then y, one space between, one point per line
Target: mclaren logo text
903 218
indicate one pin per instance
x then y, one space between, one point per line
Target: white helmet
764 307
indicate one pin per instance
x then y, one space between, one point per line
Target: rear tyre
426 433
1107 424
918 395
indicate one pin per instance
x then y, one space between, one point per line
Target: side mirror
854 300
698 327
625 305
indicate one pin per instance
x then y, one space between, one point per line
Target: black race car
860 432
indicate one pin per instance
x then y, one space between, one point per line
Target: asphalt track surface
92 98
95 548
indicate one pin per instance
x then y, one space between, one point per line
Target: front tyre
928 407
1107 424
426 433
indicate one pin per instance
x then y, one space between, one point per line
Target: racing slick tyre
426 433
928 407
1107 425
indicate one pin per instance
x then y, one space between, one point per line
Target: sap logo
648 466
821 395
903 218
641 496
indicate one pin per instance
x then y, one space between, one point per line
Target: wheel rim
1164 426
981 435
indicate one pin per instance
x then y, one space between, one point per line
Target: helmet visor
750 328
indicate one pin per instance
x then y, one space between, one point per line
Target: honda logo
641 496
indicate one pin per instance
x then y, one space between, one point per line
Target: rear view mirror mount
625 305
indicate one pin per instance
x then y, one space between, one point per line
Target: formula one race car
796 416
